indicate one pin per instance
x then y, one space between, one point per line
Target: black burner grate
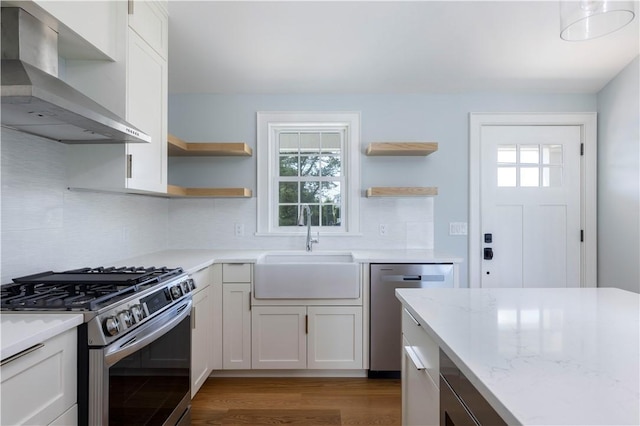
85 289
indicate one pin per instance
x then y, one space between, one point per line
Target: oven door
144 377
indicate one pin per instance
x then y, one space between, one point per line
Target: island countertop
541 356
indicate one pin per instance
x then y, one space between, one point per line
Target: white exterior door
530 219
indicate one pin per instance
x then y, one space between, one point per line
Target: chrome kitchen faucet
301 222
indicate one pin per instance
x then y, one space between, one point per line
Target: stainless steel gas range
134 347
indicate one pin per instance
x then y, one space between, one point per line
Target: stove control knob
127 318
137 313
185 287
176 291
192 283
111 326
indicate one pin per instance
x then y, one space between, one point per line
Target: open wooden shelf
401 148
403 191
179 148
179 191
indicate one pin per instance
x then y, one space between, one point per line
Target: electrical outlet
239 229
382 228
457 228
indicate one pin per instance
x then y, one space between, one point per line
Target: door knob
488 253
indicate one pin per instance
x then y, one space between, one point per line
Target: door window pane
552 177
507 154
529 176
552 154
529 154
506 176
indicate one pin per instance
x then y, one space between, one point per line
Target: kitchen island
540 356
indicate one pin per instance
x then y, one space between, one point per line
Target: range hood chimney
36 101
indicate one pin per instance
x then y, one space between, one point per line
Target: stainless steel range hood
36 101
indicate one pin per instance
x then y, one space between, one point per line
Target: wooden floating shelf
179 191
389 191
179 148
401 148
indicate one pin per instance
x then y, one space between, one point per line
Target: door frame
588 184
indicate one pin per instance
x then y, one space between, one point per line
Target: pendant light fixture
589 19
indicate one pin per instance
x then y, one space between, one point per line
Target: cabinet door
40 385
216 331
147 109
420 395
335 337
279 339
149 20
201 342
94 21
236 326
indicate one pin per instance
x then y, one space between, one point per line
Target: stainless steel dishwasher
385 341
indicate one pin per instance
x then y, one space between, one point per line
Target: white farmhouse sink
306 275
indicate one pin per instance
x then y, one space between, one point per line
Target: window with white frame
308 158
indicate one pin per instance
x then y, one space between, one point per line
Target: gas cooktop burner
85 289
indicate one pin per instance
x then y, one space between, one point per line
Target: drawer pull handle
21 354
412 317
414 358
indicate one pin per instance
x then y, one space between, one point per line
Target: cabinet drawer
236 272
47 375
201 278
423 346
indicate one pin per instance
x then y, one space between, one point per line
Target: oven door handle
147 334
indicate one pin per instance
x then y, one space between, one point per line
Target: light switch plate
457 228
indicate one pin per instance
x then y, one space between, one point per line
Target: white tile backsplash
45 226
209 224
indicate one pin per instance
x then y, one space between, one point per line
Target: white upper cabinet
85 28
147 110
149 21
134 86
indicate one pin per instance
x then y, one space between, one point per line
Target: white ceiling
386 47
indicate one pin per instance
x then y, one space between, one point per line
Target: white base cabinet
279 338
236 316
420 375
201 328
40 386
307 337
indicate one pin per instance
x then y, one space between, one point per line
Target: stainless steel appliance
385 337
134 347
460 402
36 101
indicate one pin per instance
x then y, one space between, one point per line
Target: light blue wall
619 180
442 118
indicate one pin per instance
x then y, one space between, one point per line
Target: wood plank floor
297 401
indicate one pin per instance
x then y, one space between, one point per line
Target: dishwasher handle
421 278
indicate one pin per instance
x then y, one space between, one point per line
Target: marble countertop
193 260
541 356
20 331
